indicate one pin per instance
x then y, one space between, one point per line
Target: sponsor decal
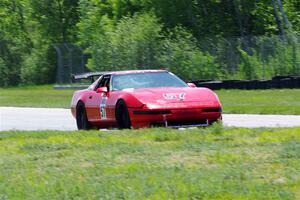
170 96
181 96
174 96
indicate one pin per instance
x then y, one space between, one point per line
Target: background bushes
139 42
37 67
202 39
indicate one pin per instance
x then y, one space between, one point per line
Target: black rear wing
89 75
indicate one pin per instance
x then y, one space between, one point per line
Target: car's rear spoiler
89 75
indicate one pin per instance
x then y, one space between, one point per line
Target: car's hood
174 95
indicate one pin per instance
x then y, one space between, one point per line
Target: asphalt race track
61 119
36 119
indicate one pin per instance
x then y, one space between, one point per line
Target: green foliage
139 42
292 10
183 36
250 67
36 68
131 45
286 60
4 74
26 29
14 40
131 39
181 55
282 59
55 20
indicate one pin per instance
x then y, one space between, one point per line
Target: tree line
190 37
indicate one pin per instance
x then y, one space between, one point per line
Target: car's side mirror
192 85
102 90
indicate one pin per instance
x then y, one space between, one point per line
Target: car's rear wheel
81 118
122 115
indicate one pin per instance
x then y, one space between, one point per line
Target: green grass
35 96
286 101
212 163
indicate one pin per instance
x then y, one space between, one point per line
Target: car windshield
146 80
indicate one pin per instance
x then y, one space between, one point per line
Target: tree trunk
243 33
285 18
62 21
278 21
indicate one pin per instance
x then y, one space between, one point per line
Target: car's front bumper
174 117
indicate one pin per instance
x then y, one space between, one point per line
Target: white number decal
103 108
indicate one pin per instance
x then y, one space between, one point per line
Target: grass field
286 101
212 163
36 96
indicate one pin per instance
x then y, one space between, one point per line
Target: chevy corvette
141 99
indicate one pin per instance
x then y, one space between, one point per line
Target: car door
96 102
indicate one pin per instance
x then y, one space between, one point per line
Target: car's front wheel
81 118
122 115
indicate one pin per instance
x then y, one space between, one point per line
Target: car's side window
93 86
104 82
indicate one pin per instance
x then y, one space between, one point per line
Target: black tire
81 118
122 115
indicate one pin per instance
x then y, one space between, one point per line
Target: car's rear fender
78 97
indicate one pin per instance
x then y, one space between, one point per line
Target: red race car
143 98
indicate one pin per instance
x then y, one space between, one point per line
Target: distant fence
71 59
276 56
